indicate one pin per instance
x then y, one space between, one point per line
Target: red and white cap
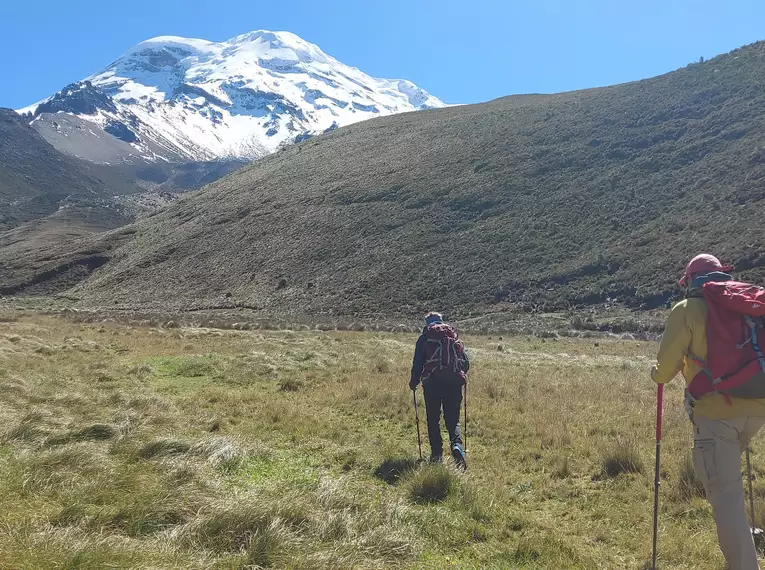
703 263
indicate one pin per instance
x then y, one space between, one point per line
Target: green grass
126 447
432 484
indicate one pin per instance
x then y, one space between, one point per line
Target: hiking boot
436 459
459 456
759 539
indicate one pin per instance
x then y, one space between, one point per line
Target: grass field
127 447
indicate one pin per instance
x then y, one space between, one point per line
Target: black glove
413 384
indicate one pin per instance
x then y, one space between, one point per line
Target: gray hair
433 314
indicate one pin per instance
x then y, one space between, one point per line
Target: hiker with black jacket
715 339
441 364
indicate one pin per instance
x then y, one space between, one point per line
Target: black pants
446 394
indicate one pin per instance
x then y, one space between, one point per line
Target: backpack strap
755 340
697 293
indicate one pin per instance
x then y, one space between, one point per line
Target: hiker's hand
653 372
413 385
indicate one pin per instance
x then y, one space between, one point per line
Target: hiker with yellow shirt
713 338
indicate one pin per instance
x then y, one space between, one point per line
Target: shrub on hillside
621 457
194 368
248 524
161 447
142 371
562 469
95 432
290 385
432 483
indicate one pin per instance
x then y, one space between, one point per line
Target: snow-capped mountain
178 100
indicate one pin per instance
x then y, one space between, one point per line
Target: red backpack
735 364
443 351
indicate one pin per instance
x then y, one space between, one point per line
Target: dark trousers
446 394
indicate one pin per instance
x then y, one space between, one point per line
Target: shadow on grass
392 470
96 432
163 447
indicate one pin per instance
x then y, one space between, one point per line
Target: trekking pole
464 431
417 421
757 534
656 481
751 495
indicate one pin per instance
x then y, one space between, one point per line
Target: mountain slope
179 100
37 181
532 201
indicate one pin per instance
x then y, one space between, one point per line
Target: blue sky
461 51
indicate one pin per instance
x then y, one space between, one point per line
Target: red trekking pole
656 481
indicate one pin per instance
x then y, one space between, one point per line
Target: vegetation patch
432 483
621 456
226 471
558 202
689 486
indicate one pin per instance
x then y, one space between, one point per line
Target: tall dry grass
134 447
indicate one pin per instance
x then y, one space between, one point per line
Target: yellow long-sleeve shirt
685 338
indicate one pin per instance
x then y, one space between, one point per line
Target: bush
267 544
563 469
432 483
290 385
194 368
247 524
34 426
495 389
142 371
95 432
621 457
143 517
61 467
163 447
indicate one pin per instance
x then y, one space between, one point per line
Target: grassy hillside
37 181
128 447
47 197
537 202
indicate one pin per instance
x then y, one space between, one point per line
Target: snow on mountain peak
173 98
